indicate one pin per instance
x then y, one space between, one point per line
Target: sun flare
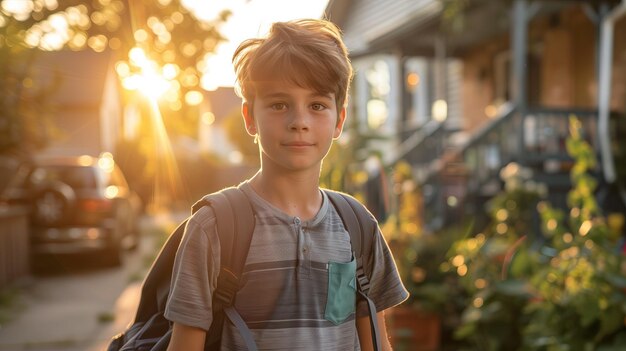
167 180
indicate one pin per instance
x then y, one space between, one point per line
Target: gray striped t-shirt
285 281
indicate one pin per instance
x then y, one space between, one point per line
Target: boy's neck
296 195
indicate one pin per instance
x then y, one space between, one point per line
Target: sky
250 18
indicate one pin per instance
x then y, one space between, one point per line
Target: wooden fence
14 246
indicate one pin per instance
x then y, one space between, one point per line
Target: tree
236 132
152 39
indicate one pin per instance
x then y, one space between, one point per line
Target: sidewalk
125 308
127 302
66 312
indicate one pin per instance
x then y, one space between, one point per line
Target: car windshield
76 177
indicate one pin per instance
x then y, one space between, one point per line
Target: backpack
151 331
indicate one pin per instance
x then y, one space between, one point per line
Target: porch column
361 96
519 37
439 110
607 24
521 13
402 100
395 104
518 81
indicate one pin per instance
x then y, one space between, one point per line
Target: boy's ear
246 112
341 119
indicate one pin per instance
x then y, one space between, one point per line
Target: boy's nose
299 120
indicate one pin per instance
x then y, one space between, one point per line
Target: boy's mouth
297 144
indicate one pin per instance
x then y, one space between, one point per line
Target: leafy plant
564 291
418 254
580 302
492 265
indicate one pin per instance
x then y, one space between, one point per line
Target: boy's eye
318 107
278 106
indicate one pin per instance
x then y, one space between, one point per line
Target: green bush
493 264
579 301
564 291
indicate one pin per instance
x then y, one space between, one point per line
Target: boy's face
295 125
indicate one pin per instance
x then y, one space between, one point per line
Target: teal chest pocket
341 297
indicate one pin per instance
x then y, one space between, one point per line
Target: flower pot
412 329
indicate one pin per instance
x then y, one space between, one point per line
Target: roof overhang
482 20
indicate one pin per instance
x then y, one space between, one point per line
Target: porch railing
423 146
546 132
534 139
487 151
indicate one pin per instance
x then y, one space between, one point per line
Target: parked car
79 204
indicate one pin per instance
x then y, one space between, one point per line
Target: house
462 104
86 104
218 106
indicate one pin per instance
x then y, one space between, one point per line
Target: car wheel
134 235
53 204
112 255
135 238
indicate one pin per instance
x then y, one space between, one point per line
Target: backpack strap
156 285
235 235
361 226
163 269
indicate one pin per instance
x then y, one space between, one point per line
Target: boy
294 87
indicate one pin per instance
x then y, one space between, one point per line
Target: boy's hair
308 53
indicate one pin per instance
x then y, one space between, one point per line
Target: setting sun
249 19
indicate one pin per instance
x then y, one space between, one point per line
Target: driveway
77 305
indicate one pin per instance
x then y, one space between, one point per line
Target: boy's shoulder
204 217
355 204
205 211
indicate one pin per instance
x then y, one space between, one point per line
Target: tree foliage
165 36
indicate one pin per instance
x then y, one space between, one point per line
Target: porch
458 180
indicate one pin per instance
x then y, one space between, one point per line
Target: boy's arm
194 277
186 338
365 332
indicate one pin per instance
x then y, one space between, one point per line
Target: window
76 177
379 86
416 85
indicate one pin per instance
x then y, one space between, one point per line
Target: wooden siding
77 132
86 104
478 86
370 19
584 58
557 71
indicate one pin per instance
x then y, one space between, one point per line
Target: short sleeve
386 288
194 275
